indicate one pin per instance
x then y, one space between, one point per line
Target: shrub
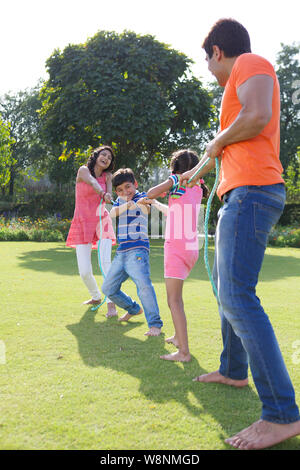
50 229
46 204
290 215
52 236
285 236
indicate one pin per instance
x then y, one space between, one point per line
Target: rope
99 258
207 213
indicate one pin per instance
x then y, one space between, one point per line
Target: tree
19 111
6 159
288 72
292 180
126 90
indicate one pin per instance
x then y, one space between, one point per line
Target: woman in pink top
93 183
181 248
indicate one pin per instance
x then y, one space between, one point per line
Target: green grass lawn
72 379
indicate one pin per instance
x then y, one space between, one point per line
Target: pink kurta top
181 248
182 218
85 226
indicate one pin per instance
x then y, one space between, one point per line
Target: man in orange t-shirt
252 161
253 194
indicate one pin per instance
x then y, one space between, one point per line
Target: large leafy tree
19 111
125 90
292 180
6 159
288 72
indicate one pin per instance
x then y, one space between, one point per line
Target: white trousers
84 261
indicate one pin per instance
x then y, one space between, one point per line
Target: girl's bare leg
175 302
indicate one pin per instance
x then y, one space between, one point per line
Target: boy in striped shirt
132 255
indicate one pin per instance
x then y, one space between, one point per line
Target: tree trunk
12 181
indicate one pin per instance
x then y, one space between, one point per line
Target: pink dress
181 249
85 226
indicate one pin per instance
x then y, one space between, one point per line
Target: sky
32 29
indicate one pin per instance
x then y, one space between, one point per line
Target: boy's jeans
133 264
245 221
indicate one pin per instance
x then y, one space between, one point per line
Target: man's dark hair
123 175
230 36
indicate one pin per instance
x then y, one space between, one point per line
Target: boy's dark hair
230 36
123 175
95 154
184 160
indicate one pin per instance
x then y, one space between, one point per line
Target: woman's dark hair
230 36
184 160
123 175
95 154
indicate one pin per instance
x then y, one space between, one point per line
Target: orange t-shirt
254 161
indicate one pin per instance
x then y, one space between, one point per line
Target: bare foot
127 316
172 340
111 310
92 302
216 377
177 356
262 434
154 331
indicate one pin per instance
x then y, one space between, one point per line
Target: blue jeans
133 264
245 220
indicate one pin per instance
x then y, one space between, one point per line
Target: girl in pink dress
181 249
93 183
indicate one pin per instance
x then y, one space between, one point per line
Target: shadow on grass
62 260
108 344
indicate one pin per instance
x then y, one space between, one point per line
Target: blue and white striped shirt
133 226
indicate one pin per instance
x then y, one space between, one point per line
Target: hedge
41 205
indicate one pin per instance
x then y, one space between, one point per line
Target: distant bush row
50 229
41 205
285 236
33 235
48 203
55 229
